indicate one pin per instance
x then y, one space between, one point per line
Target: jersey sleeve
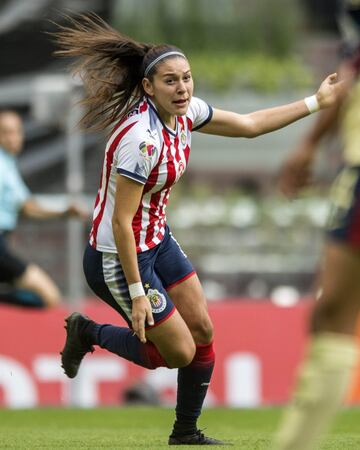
200 113
137 155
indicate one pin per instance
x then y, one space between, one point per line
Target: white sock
321 386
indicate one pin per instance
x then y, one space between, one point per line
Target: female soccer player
333 349
21 283
133 261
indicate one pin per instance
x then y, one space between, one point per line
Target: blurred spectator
21 283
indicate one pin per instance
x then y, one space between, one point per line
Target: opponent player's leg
332 354
333 351
339 301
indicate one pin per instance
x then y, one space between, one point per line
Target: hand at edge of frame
331 91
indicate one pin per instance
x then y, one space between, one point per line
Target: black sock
122 342
193 383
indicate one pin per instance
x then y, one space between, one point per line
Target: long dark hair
110 64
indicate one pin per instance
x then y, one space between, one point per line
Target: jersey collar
169 130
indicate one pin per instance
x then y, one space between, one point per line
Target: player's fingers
135 326
141 330
149 317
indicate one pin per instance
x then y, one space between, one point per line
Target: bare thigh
190 301
339 304
189 325
173 340
36 280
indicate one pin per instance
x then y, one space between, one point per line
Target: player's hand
296 172
141 313
74 210
331 91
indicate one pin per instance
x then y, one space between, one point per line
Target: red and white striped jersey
145 150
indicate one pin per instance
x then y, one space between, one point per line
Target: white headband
159 58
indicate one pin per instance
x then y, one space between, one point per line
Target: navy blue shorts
344 219
161 268
11 266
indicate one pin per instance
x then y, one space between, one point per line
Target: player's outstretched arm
226 123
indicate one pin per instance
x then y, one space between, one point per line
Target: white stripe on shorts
116 282
182 251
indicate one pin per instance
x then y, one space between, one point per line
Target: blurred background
243 238
251 247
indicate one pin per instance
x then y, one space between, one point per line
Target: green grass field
148 428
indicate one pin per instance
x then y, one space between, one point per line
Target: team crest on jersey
157 300
147 149
183 138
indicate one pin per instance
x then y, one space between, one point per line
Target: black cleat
75 348
197 438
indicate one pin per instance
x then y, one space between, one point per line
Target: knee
203 332
181 357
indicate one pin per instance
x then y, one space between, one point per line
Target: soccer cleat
197 438
75 348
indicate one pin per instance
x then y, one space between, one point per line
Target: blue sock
193 383
21 297
123 342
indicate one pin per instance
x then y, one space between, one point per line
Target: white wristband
136 290
312 104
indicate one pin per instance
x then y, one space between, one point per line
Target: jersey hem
102 248
132 175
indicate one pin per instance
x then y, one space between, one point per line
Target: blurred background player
132 261
333 350
21 283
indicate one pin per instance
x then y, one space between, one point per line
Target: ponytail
110 65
